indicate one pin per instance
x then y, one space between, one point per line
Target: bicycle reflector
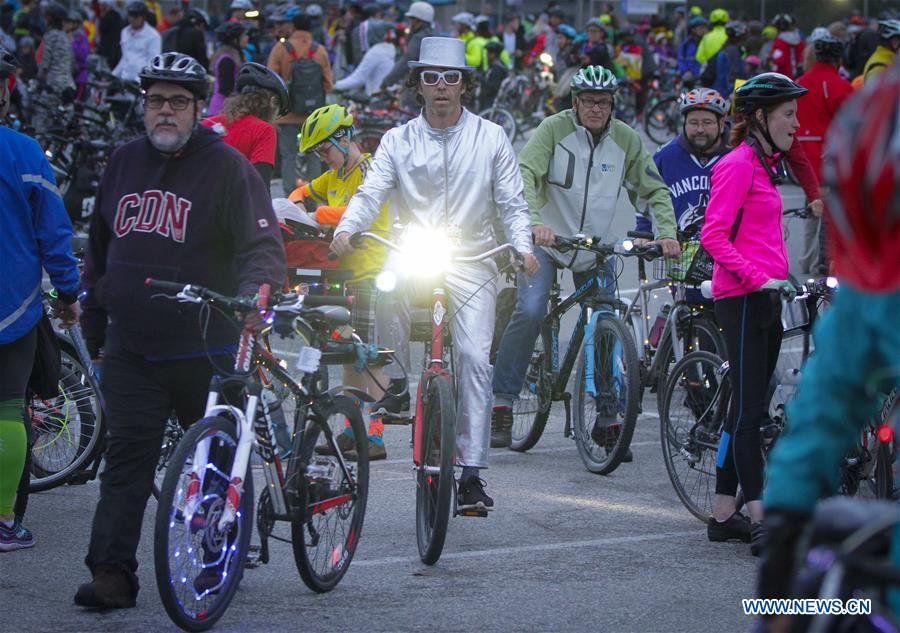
885 433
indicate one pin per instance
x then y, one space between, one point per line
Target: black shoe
471 495
606 432
736 528
758 535
629 456
392 403
111 588
501 427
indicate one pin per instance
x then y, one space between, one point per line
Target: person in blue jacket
687 51
36 236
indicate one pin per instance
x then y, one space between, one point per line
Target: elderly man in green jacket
574 168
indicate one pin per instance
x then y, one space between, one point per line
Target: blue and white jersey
687 179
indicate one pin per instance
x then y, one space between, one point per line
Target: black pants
139 396
16 360
751 325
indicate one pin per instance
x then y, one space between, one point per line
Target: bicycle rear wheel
67 429
606 412
661 121
504 118
695 407
532 408
331 497
434 477
198 564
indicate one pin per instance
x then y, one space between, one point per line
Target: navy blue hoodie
203 216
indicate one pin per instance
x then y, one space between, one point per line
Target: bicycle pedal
390 419
472 513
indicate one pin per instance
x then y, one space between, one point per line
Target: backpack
709 72
305 87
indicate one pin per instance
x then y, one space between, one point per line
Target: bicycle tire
368 138
171 437
74 389
531 409
322 568
433 499
212 602
688 448
626 375
505 119
658 121
704 335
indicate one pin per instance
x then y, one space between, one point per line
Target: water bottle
660 324
275 416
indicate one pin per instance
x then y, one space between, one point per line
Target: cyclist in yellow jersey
885 54
328 132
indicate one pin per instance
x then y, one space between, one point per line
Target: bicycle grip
314 301
164 286
640 235
652 252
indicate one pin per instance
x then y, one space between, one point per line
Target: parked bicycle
607 379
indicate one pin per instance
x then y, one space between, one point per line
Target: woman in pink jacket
743 233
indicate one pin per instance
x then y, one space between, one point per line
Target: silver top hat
442 52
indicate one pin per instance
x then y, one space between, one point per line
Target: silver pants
472 292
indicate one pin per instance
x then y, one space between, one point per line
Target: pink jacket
757 253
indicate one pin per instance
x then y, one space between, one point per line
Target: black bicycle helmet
137 8
8 63
56 11
495 46
735 30
829 47
230 32
197 16
783 21
764 90
176 68
253 76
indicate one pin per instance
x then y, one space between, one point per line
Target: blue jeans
525 324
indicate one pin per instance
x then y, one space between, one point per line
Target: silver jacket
459 179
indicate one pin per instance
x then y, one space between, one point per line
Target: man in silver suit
450 170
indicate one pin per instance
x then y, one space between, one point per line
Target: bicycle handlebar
802 213
594 245
357 240
288 302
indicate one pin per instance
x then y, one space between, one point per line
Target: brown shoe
111 588
376 453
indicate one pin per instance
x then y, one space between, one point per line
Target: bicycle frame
583 332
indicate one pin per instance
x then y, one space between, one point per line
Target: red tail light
885 433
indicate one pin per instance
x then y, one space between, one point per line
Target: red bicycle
434 426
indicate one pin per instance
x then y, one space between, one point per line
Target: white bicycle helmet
176 68
594 79
703 99
888 29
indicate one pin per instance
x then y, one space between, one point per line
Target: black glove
776 571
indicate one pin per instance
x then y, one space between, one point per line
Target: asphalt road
565 550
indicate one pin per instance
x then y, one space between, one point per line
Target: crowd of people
767 97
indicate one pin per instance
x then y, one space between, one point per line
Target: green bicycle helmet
322 124
594 79
719 16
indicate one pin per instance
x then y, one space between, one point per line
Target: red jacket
787 58
816 109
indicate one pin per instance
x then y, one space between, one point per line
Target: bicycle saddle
837 518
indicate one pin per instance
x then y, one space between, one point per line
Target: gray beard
170 146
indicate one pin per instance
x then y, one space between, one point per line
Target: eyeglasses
156 102
450 77
322 148
599 104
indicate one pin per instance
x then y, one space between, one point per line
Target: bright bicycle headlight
425 252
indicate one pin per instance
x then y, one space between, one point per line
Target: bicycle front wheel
696 334
661 121
199 561
695 408
331 495
434 477
606 407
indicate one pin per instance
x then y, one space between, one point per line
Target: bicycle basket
693 266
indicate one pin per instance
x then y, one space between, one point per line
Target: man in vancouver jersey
178 205
686 161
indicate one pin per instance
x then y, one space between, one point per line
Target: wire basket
693 266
